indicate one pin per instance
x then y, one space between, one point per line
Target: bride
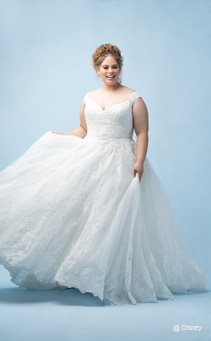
85 209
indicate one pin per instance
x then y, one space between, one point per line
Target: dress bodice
112 123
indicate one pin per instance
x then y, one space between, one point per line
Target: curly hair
105 50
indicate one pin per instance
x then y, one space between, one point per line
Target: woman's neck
111 87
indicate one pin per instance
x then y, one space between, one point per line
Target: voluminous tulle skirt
72 215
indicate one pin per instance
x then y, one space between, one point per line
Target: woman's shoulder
127 90
92 94
131 93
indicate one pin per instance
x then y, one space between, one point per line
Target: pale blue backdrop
46 68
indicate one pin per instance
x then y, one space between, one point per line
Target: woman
75 213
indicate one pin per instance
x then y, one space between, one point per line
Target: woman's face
109 71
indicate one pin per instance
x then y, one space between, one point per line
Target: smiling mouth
110 77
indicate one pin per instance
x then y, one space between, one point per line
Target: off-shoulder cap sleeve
134 96
86 97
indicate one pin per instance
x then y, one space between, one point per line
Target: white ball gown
72 215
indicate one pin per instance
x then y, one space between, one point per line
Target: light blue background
46 68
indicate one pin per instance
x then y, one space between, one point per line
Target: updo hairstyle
105 50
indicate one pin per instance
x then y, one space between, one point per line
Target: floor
68 315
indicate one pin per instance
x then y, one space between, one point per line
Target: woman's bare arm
140 119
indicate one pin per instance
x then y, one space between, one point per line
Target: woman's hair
105 50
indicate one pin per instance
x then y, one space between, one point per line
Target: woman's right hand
57 132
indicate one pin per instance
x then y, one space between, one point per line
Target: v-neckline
113 105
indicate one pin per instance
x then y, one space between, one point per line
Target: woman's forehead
109 60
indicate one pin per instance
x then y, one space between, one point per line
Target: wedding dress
72 215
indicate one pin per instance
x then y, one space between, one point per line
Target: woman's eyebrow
111 65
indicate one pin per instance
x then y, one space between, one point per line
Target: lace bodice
112 123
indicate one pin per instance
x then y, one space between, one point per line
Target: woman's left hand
138 169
